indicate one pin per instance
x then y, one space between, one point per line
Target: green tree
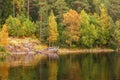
43 20
104 17
20 26
18 6
72 22
115 32
104 21
32 9
60 9
113 7
52 29
79 5
88 31
28 28
14 26
5 10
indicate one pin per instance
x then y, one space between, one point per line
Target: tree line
64 23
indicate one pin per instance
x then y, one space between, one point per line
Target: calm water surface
67 67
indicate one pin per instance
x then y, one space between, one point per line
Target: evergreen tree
113 7
43 20
60 9
79 5
5 10
33 9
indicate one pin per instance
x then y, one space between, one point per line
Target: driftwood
50 52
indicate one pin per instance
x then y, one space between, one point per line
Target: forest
63 23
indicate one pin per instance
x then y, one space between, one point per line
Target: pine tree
60 9
33 9
72 22
4 36
43 20
5 10
113 7
79 5
52 29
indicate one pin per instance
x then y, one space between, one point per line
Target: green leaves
116 31
18 27
88 31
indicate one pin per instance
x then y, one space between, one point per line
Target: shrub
18 27
28 28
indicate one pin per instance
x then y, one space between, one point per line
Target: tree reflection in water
67 67
4 70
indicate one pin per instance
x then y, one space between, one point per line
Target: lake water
68 67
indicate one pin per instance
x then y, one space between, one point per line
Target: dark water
67 67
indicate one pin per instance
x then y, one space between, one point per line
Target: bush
3 52
18 27
28 28
14 26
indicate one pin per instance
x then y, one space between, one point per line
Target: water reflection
53 69
4 68
67 67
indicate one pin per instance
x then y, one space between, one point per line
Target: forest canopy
63 23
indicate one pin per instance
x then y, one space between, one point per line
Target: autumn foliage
72 23
4 36
52 29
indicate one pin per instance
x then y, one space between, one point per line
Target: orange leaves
71 18
4 36
72 21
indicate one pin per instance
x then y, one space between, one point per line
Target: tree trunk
13 8
28 8
40 33
118 47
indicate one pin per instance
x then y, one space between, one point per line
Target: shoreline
20 60
82 51
29 45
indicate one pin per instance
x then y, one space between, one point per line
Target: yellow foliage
19 4
104 17
4 68
71 18
40 47
53 33
72 21
53 70
4 36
